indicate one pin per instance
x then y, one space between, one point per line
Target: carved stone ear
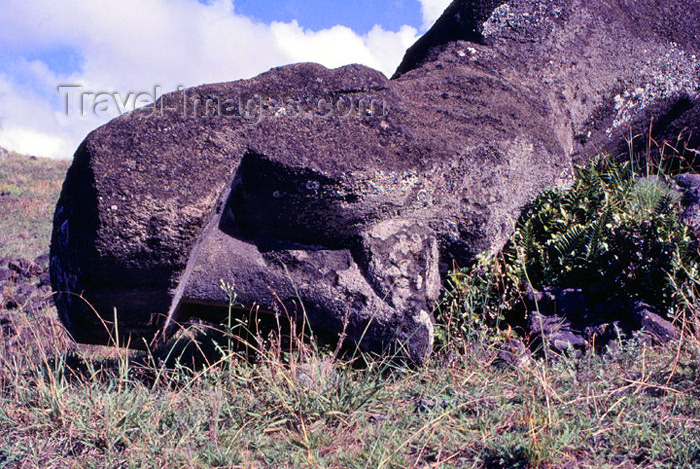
400 259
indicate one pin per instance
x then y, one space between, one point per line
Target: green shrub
614 230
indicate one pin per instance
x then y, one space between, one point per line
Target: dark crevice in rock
277 203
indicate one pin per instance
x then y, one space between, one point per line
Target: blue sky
359 15
132 46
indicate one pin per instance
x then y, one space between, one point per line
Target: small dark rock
426 405
646 318
42 262
560 314
7 327
604 336
44 279
513 353
558 331
22 267
563 341
6 274
22 295
593 332
541 323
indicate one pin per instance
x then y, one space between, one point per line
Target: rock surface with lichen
341 196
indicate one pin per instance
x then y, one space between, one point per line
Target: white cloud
432 9
133 45
31 141
28 123
340 45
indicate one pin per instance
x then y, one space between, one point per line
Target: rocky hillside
29 188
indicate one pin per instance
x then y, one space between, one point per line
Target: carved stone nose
381 281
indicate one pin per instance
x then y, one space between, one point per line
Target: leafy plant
614 230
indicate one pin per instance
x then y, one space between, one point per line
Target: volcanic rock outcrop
342 196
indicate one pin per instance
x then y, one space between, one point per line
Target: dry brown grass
64 405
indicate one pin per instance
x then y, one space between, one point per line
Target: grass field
29 189
64 405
